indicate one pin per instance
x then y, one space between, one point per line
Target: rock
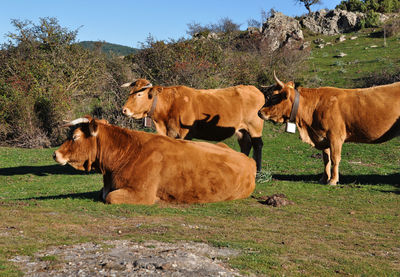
212 35
341 38
282 31
253 30
332 22
319 41
340 55
353 38
305 45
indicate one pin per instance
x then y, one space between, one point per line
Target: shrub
381 6
232 59
352 6
392 28
381 78
46 77
371 19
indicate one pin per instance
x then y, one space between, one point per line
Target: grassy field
353 228
366 54
350 229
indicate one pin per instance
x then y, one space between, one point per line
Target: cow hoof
332 183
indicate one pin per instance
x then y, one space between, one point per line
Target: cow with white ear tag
327 117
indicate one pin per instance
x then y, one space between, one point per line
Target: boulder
282 31
332 22
341 38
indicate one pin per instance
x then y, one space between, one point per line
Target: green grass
353 228
361 61
350 229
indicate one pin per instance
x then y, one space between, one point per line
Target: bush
45 78
232 59
381 78
371 19
392 28
352 6
381 6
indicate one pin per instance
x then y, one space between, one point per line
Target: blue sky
131 22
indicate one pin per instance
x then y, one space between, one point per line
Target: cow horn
75 122
278 81
148 86
128 84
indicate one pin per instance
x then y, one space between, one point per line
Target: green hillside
106 47
366 57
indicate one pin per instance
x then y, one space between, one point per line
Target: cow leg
107 181
129 196
336 152
160 128
257 144
326 153
245 142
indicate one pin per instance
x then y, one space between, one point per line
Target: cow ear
103 121
290 84
89 117
155 91
93 128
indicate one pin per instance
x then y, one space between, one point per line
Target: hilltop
106 47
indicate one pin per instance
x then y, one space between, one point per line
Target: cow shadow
369 179
90 195
44 170
207 129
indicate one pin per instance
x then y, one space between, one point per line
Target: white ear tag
291 127
147 122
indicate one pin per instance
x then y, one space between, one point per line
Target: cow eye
139 94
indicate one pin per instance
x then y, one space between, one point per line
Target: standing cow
214 114
143 168
327 117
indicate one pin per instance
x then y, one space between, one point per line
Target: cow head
140 98
278 104
79 150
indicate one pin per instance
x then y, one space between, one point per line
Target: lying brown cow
215 114
142 168
327 117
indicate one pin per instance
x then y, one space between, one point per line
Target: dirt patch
126 258
275 200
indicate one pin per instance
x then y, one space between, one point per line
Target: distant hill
109 48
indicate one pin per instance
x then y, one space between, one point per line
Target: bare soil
126 258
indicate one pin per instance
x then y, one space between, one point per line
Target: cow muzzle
261 115
126 111
59 159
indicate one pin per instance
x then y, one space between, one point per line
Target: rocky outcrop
332 22
282 31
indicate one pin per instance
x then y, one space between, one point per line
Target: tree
308 3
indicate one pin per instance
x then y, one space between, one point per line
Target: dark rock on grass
275 200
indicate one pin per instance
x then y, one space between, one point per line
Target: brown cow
142 168
214 114
327 117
